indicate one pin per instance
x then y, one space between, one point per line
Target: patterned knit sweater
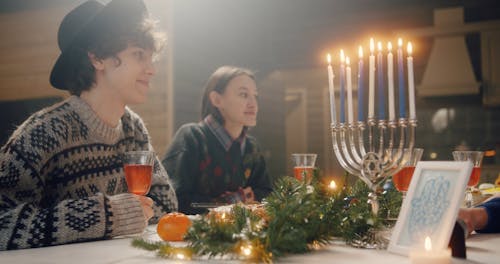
62 181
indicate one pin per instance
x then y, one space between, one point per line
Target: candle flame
332 185
329 58
428 244
342 56
180 256
223 216
372 45
409 48
379 45
347 61
389 46
400 42
360 52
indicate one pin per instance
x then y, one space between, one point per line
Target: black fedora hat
90 22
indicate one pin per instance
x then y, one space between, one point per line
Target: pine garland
295 218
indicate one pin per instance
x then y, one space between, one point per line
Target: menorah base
373 239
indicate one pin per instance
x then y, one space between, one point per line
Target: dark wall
209 34
15 112
268 36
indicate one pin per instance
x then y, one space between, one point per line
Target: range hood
449 70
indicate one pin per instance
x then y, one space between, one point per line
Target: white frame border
463 170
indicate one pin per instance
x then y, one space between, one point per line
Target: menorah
373 166
379 147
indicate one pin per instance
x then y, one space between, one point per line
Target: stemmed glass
403 177
138 167
476 157
303 168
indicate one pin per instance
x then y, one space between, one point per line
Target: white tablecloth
481 248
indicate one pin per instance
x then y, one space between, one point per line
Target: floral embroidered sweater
62 180
202 169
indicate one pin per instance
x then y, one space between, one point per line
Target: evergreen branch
295 217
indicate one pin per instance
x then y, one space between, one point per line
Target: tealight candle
430 256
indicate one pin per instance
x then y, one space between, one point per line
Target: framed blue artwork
430 208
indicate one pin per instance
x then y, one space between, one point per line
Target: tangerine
173 226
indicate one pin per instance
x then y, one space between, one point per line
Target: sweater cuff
127 215
492 208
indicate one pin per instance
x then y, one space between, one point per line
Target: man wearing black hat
61 176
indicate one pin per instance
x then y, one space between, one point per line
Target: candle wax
371 87
390 85
350 112
402 90
411 89
331 91
342 93
422 256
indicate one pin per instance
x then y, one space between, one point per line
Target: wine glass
138 167
403 177
476 157
304 166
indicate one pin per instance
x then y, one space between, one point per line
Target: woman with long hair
215 160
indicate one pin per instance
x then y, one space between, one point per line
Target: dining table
480 248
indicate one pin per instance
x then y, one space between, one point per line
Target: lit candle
401 79
430 256
371 81
411 83
342 86
390 82
331 90
350 112
361 91
381 89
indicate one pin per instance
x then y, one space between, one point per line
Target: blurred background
456 56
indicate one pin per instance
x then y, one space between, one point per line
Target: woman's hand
474 218
248 195
244 195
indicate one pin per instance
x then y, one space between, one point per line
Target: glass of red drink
138 167
402 178
476 157
303 167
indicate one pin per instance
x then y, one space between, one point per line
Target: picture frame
431 206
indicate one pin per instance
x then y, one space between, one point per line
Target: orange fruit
173 226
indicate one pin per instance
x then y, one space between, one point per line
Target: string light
332 185
181 253
246 250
